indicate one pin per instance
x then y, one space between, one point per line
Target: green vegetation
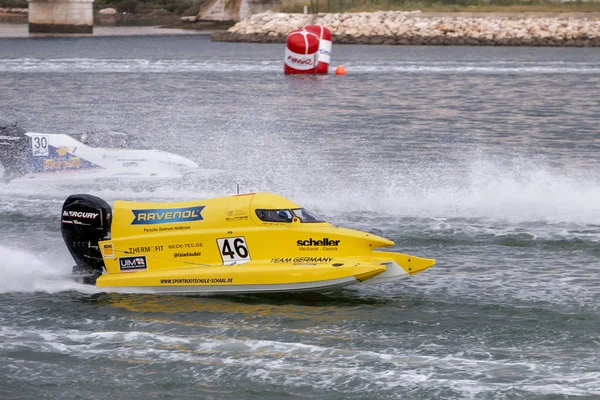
509 6
13 4
192 7
179 7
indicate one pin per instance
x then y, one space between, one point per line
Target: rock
14 10
107 11
398 27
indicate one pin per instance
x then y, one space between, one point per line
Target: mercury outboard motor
85 221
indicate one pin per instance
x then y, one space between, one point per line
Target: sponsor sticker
300 260
197 281
139 250
233 250
132 264
301 62
108 250
167 215
318 242
61 165
144 249
237 218
167 228
324 244
80 214
107 180
325 51
39 145
187 254
236 215
184 245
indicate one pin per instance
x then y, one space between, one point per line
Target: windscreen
305 216
111 140
281 215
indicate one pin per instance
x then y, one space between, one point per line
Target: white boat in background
97 158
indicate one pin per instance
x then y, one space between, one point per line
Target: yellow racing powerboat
249 243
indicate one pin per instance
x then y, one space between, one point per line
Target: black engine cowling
85 221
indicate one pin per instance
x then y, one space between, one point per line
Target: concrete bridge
61 16
77 16
234 10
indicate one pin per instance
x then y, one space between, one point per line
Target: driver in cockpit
101 140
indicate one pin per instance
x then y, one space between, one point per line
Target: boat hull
244 278
241 289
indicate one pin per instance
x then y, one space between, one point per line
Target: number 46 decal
233 250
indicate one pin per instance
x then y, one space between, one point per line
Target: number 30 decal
39 145
233 250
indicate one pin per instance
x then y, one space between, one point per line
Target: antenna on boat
238 188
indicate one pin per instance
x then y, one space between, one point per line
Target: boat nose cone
378 241
191 164
182 162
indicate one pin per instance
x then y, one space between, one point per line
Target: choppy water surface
486 159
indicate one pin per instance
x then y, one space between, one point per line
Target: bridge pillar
61 16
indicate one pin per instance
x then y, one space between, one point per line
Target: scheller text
166 216
80 214
301 260
321 242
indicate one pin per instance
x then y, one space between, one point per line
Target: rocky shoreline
416 28
13 15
